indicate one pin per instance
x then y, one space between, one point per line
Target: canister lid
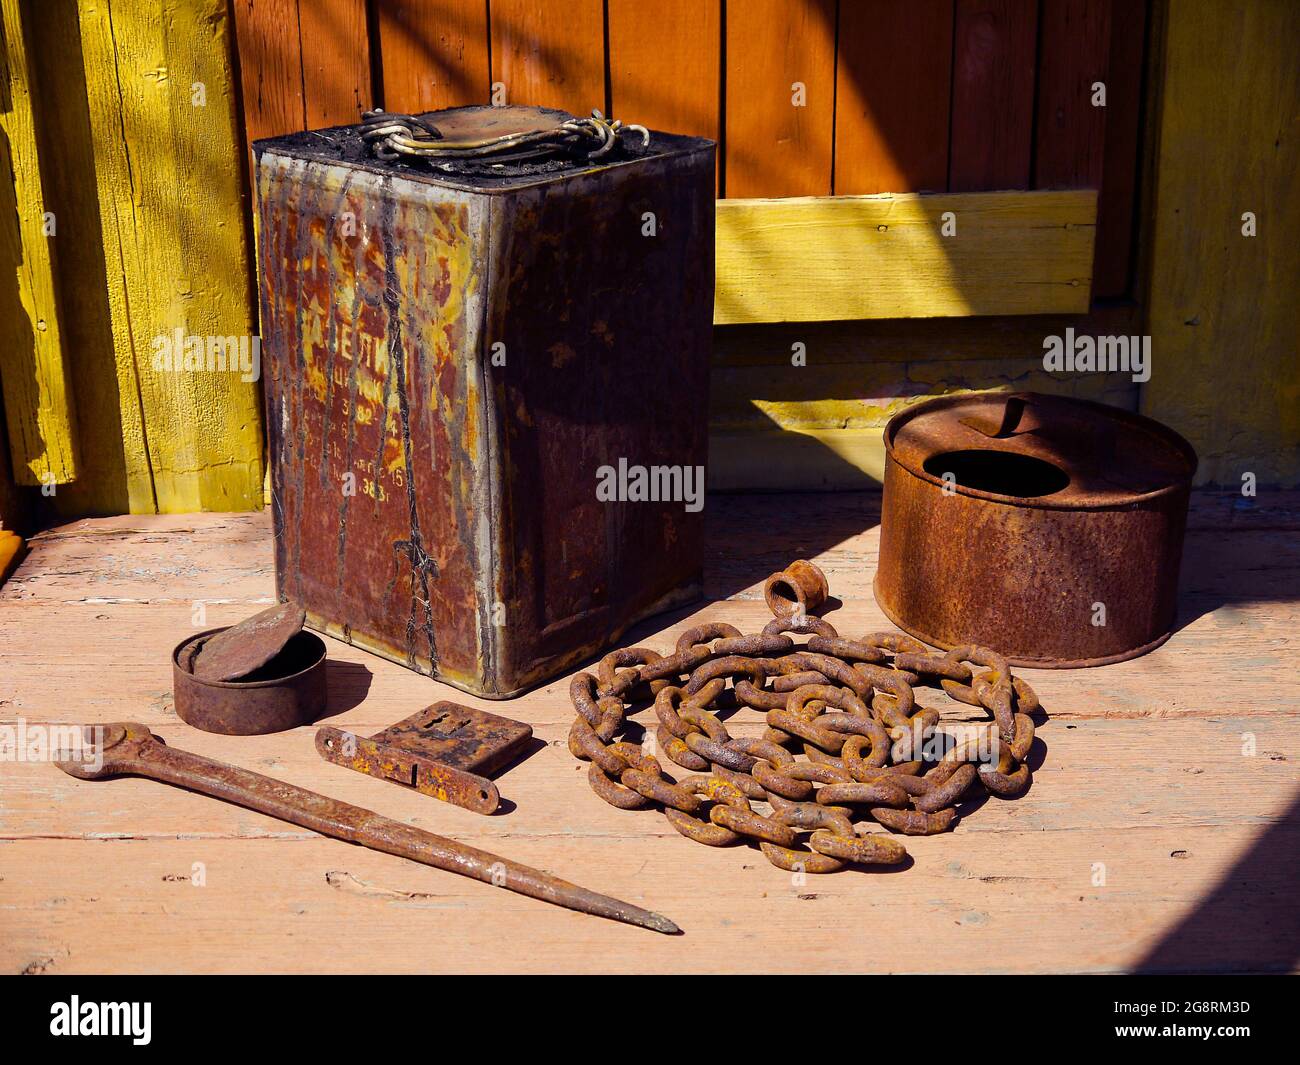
1037 450
244 648
365 146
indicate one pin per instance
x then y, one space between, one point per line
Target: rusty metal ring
709 789
701 635
881 791
948 793
914 822
851 650
613 792
863 849
675 749
800 626
756 826
797 725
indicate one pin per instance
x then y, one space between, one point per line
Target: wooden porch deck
1147 771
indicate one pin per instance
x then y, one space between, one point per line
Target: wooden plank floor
1177 773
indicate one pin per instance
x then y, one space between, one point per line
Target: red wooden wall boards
806 97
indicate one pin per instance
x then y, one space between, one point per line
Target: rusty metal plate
446 751
1049 529
244 648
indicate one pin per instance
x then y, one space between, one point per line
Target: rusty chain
870 751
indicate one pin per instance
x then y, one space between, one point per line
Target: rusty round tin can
289 690
1050 529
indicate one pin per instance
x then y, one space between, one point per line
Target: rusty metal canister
289 690
1047 528
453 359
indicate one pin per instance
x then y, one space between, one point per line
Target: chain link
848 705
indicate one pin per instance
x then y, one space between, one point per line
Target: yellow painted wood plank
11 546
175 247
38 399
113 475
792 437
841 257
1224 313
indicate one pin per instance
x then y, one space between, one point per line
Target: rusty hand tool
130 749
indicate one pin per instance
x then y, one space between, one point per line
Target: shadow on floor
1249 922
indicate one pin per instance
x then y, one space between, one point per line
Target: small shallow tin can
290 690
1050 529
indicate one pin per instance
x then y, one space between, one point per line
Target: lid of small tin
246 647
1037 450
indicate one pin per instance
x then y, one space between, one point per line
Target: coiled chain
870 752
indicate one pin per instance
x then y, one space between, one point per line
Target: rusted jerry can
457 359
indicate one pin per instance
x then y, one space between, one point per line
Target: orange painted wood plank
775 145
1117 202
433 53
335 62
994 51
550 55
1074 53
664 61
270 67
892 96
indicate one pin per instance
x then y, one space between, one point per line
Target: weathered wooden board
821 258
664 62
1188 899
434 53
780 98
1117 202
547 58
1073 57
270 67
1152 838
34 359
892 82
113 472
994 48
1224 317
335 62
174 244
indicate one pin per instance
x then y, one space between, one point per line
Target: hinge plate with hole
446 750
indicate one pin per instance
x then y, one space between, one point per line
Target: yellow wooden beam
11 546
38 400
822 258
1224 270
169 177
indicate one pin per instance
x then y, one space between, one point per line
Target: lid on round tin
244 648
1039 450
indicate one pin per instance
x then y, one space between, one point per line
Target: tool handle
341 820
